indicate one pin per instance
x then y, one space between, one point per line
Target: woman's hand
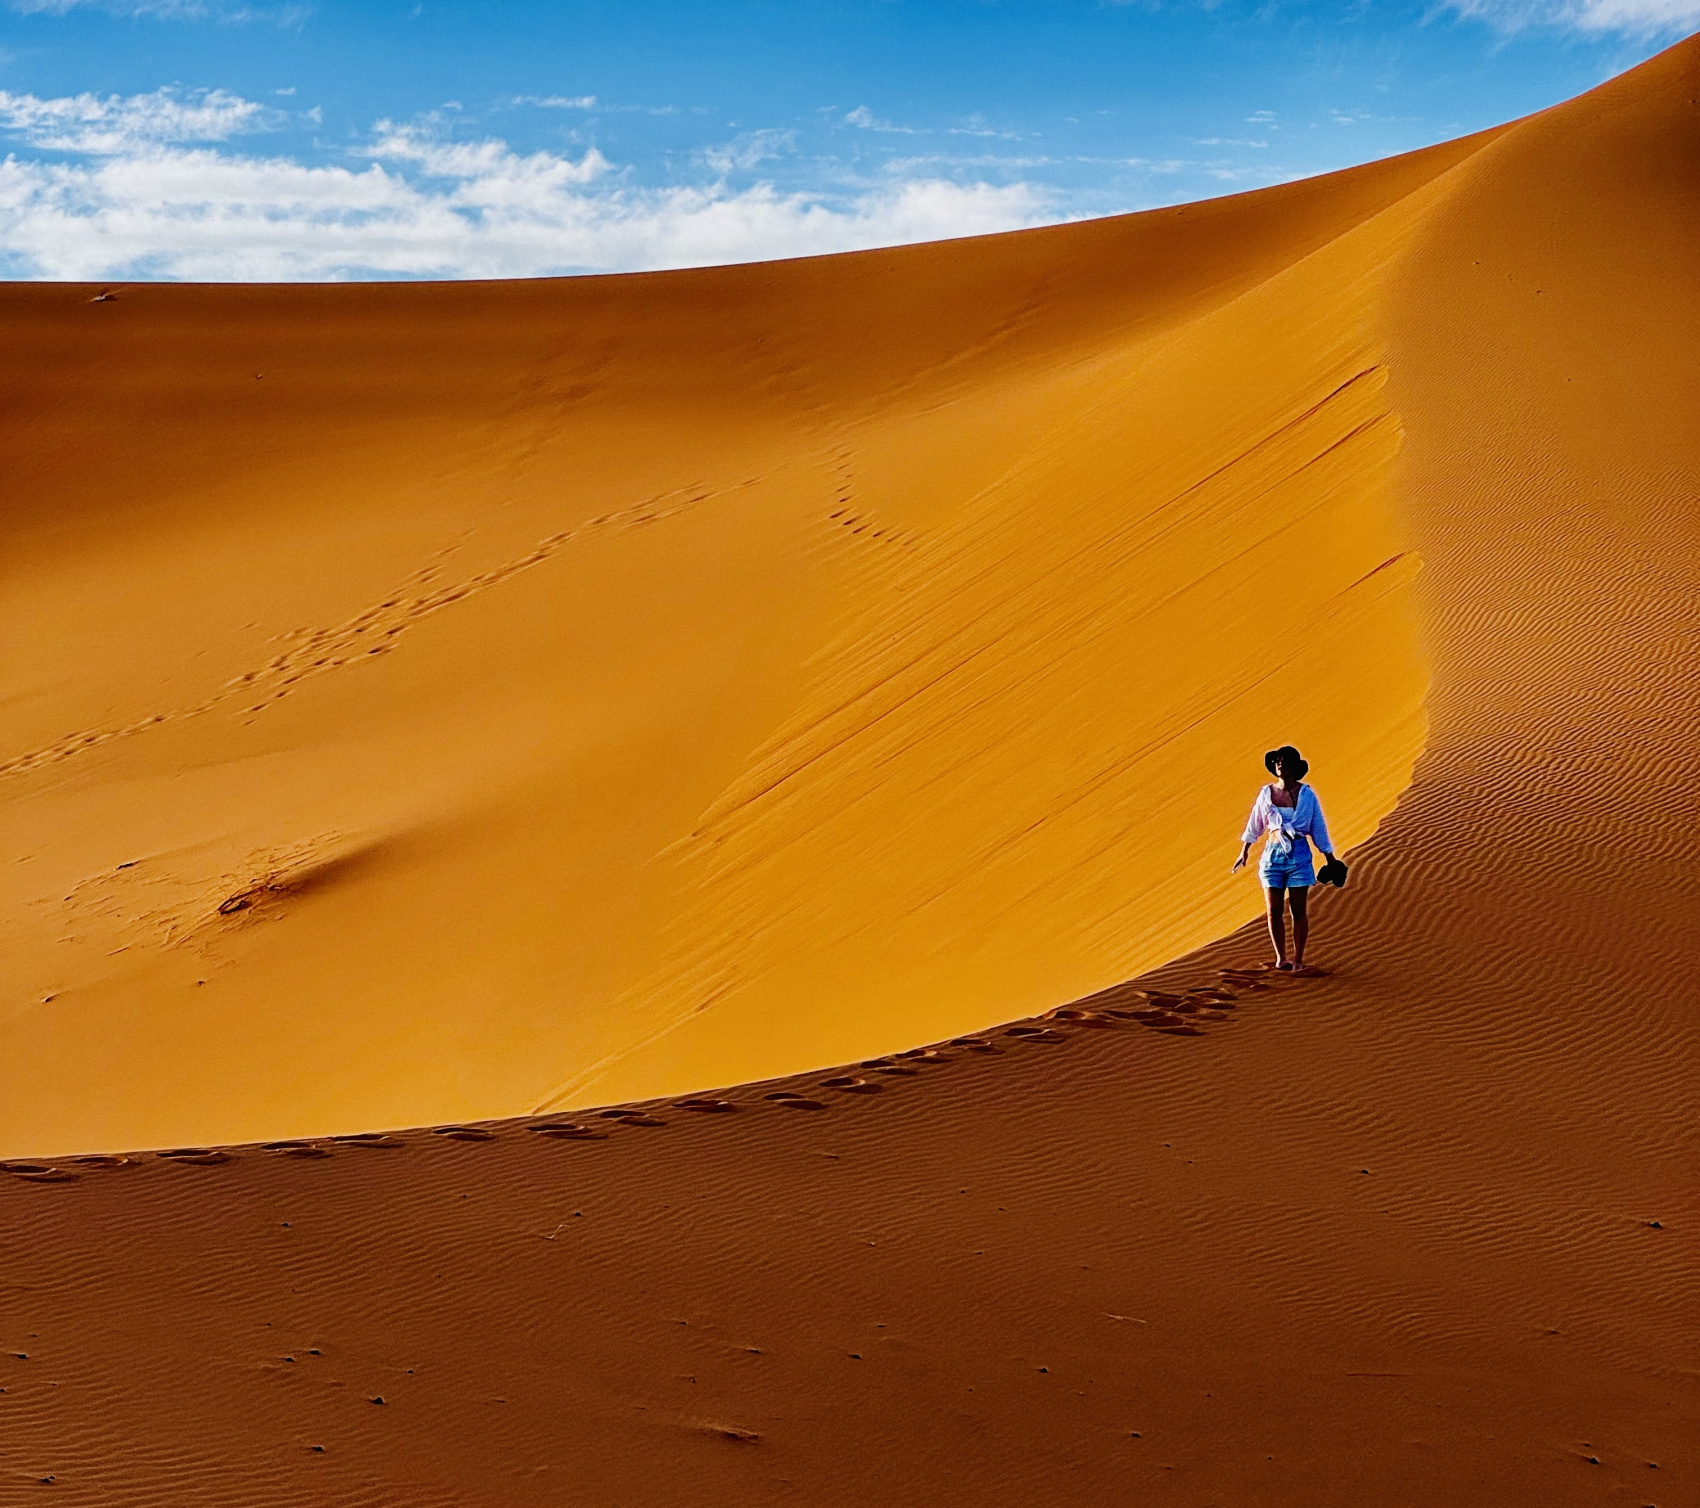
1239 863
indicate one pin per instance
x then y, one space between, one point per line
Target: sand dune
514 697
441 700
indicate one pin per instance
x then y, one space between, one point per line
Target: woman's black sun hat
1274 756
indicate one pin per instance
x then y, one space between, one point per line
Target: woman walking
1291 817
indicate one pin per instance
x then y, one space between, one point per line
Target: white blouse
1287 824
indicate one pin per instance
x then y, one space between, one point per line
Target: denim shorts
1290 872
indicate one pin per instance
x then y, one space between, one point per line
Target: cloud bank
114 125
147 186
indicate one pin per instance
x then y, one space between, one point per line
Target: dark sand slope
1420 1232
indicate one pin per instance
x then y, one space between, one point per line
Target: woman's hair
1291 755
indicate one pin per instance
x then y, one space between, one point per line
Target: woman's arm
1255 824
1319 825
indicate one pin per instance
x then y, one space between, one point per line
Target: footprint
630 1117
39 1172
367 1139
1035 1034
848 1083
975 1044
923 1055
101 1160
894 1070
1098 1019
707 1107
200 1157
296 1148
788 1101
464 1133
570 1131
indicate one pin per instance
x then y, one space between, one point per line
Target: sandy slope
617 686
1418 1232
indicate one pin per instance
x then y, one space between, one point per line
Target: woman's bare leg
1301 925
1278 920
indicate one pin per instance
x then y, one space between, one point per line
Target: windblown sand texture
440 703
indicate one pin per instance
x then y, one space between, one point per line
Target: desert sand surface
436 704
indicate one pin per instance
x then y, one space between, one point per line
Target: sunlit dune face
441 701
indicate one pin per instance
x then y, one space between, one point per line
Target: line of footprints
1175 1015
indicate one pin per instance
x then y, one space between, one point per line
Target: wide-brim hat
1274 755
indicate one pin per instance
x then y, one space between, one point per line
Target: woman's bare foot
1284 966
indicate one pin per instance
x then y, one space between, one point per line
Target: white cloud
557 101
1638 18
417 205
864 119
1221 172
111 126
1006 161
491 164
749 150
976 125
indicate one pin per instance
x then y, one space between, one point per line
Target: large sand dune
458 701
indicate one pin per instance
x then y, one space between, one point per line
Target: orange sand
603 689
625 685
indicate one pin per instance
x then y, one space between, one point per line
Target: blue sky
215 139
